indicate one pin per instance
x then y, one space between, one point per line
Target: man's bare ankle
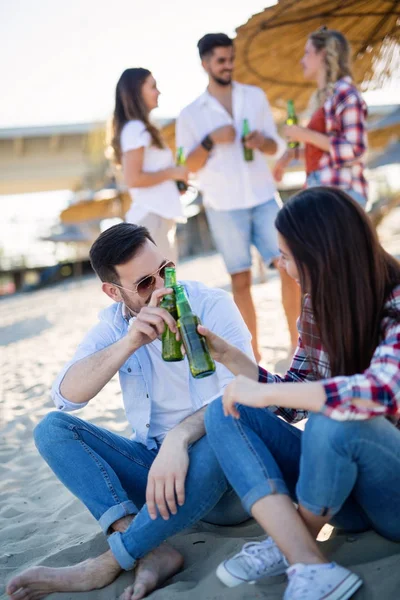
122 524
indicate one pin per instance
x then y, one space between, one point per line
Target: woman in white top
147 163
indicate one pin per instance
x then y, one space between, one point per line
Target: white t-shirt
167 410
226 180
162 199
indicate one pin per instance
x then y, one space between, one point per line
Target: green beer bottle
200 362
247 152
171 347
180 162
291 120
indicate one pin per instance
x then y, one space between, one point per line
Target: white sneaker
321 582
255 560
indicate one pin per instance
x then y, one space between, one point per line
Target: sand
42 523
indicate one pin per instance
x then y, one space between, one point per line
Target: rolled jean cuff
121 555
115 513
266 488
319 511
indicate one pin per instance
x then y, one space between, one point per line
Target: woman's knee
322 432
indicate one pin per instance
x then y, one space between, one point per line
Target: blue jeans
235 231
347 471
108 473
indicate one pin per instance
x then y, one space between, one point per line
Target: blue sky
62 59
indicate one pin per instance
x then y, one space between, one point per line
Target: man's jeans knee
49 431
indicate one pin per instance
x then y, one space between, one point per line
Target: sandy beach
42 523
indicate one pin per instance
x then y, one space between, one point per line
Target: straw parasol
105 204
270 45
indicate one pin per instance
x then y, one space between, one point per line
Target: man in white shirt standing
165 478
239 195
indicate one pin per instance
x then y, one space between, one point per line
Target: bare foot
152 570
38 582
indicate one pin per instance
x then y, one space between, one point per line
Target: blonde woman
147 163
335 140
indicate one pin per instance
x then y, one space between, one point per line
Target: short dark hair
213 40
116 246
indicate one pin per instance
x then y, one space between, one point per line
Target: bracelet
207 143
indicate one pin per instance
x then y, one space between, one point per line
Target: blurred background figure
334 142
227 133
147 162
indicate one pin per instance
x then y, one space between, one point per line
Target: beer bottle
200 362
180 162
171 347
247 152
291 120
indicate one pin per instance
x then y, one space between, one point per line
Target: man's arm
166 480
97 360
190 430
258 141
266 139
87 377
196 154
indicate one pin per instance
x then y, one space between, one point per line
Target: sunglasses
145 286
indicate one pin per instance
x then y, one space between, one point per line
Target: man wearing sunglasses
165 478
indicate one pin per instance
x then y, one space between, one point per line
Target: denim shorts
314 179
235 231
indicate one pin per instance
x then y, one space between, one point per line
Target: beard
133 309
224 82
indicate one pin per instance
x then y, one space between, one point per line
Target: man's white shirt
226 180
145 382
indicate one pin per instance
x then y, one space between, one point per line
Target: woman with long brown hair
147 163
335 140
344 469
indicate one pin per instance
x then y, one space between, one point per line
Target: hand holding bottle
217 346
150 321
295 134
179 173
254 140
181 184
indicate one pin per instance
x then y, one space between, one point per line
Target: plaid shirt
378 386
345 121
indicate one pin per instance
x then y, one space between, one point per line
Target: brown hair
116 246
337 59
129 105
347 273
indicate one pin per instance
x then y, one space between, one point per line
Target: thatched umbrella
105 204
270 45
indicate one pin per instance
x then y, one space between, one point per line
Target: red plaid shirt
345 121
379 385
